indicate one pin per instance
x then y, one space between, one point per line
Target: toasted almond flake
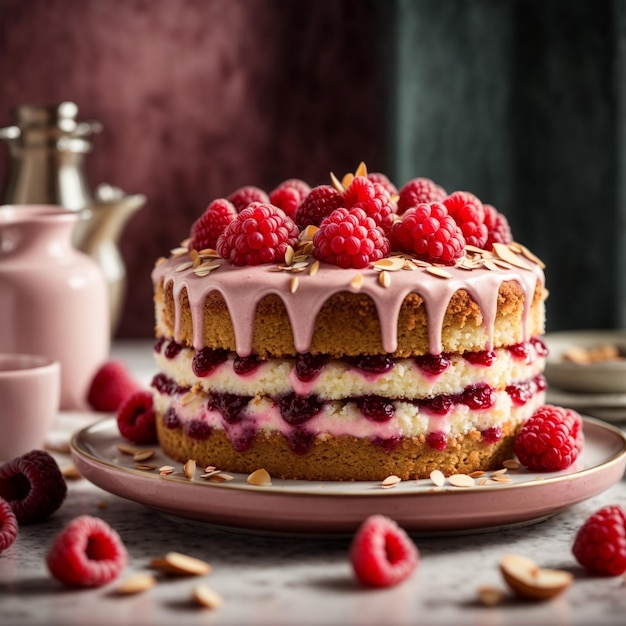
185 242
483 481
501 479
437 478
207 597
165 470
477 474
201 273
136 584
421 263
461 480
505 265
314 267
209 473
176 252
189 469
346 181
392 264
515 247
511 464
474 249
300 265
70 472
506 254
308 232
210 264
390 481
490 596
143 455
194 255
302 258
181 564
183 266
221 478
210 468
438 271
289 254
490 265
357 282
336 183
502 470
293 286
308 249
259 478
409 265
384 279
126 448
361 170
145 467
532 257
209 252
160 261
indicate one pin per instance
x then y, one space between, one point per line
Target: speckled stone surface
287 580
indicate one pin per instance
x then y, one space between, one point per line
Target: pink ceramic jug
53 298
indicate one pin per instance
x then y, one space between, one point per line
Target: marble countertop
288 580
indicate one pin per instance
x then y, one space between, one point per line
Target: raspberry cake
348 332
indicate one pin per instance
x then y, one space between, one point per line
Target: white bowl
600 377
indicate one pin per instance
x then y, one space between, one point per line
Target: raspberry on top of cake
348 331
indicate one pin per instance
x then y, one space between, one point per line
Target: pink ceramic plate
339 507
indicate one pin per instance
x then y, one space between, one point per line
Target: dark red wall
198 97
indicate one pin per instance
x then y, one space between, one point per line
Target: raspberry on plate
600 544
86 553
260 234
373 198
498 229
110 386
289 195
136 419
211 224
33 486
382 554
550 440
8 525
468 212
418 191
430 233
320 203
350 239
244 196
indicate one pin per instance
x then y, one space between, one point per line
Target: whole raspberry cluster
600 544
373 198
429 232
319 203
259 234
350 238
206 230
469 214
383 179
419 191
244 196
498 229
289 195
550 440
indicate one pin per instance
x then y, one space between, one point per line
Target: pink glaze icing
243 287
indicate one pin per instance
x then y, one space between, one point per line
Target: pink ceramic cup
30 389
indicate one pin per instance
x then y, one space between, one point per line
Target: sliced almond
391 264
390 481
189 469
511 464
181 267
532 257
221 478
438 271
506 254
160 261
314 267
308 232
476 474
437 478
461 480
293 286
336 183
207 597
136 583
528 580
346 181
361 170
70 472
166 470
126 448
180 251
181 564
490 596
260 478
145 467
384 279
357 282
143 455
289 255
502 470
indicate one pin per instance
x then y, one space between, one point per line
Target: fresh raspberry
87 553
244 196
550 440
373 198
211 224
8 525
289 195
498 229
468 212
110 386
600 544
260 234
382 554
33 486
382 179
320 203
419 191
430 233
136 419
350 239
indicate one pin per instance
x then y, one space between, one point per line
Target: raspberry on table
418 191
373 198
469 214
8 525
319 203
550 440
382 179
498 229
86 553
211 224
33 486
381 553
600 543
350 238
430 233
136 419
110 386
289 195
259 234
244 196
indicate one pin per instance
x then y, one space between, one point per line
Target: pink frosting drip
243 287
